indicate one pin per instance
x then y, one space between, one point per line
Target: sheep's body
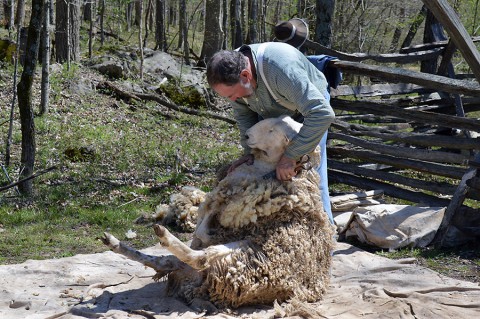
257 240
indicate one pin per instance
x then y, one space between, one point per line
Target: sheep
258 240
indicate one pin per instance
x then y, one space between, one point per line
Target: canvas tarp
107 285
392 226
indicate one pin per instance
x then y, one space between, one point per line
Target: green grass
139 158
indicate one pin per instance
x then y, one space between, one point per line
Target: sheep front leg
161 264
198 259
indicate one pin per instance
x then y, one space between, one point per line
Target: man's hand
286 168
248 159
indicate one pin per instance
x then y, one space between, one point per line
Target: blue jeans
322 171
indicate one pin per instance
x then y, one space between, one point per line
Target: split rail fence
416 135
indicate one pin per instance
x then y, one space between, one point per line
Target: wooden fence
416 136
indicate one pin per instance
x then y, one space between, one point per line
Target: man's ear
245 75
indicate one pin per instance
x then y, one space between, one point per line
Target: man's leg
322 171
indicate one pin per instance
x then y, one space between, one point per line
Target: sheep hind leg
198 259
163 265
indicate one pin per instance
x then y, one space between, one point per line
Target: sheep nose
246 136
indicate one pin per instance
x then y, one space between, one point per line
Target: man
300 87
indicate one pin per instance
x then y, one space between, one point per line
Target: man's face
241 89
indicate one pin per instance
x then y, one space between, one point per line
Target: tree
9 16
45 59
140 44
236 23
252 36
67 30
213 33
323 27
20 13
182 23
160 38
24 92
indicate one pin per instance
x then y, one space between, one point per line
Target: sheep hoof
159 230
201 305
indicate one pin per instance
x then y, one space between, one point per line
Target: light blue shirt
297 82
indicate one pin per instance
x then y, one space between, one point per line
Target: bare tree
87 10
323 27
8 10
91 31
252 35
182 11
138 13
102 19
236 23
20 16
160 37
24 91
67 30
225 23
45 86
140 43
213 34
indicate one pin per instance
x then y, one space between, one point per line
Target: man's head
229 73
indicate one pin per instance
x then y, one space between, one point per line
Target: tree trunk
213 34
140 44
102 18
87 10
91 31
182 22
225 23
160 39
9 16
323 30
129 15
236 23
75 19
252 36
138 14
45 60
67 31
24 91
20 17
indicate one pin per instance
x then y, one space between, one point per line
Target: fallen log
127 96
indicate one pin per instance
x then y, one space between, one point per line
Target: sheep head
269 138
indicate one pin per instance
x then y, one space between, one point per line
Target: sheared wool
182 209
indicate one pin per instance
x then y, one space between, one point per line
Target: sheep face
271 137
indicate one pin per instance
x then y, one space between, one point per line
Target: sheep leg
161 264
198 259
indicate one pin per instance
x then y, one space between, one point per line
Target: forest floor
115 160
